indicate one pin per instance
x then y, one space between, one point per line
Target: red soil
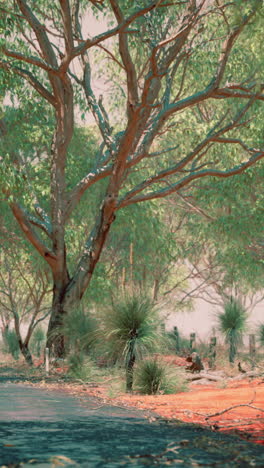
202 401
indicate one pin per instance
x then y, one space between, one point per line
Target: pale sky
202 319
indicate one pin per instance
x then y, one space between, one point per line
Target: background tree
221 237
148 147
24 301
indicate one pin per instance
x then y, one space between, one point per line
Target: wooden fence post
212 352
252 349
177 339
192 342
47 361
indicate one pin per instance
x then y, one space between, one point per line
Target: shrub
153 376
80 367
79 329
11 344
37 341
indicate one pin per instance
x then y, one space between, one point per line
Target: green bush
79 331
153 376
37 341
11 345
80 367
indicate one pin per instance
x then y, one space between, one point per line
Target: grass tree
232 323
131 330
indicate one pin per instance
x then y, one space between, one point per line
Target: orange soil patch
202 401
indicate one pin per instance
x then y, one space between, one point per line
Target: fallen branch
249 405
204 375
233 407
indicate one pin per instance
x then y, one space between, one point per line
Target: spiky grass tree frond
132 323
232 323
150 376
261 334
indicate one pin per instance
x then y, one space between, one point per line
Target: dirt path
50 428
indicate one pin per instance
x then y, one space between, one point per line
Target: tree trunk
25 351
232 350
23 345
55 336
130 367
129 373
68 292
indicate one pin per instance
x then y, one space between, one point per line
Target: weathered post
162 328
177 339
192 342
47 361
252 349
131 261
212 352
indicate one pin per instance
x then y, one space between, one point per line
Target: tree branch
186 181
31 80
90 179
29 59
26 227
120 28
132 90
40 32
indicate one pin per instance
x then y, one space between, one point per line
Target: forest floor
233 405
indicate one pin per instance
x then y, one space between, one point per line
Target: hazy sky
202 319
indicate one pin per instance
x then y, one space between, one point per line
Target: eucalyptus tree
164 60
